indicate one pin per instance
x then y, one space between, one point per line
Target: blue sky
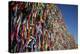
70 14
